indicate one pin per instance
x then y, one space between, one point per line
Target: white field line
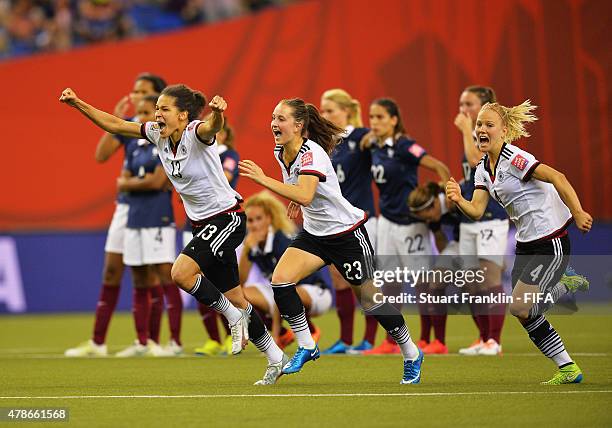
399 394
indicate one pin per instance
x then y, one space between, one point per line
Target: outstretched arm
214 121
568 195
436 166
475 208
301 193
106 121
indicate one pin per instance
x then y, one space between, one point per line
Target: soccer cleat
360 349
301 357
573 281
316 335
240 333
87 349
412 370
173 349
435 347
490 347
286 339
337 348
135 350
421 344
273 372
210 348
227 346
568 374
386 347
473 348
155 350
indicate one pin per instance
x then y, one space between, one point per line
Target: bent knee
519 311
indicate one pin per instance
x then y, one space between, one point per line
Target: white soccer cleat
173 349
135 350
273 372
87 349
155 350
490 347
240 333
473 348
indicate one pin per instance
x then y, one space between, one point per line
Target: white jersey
328 213
533 205
195 171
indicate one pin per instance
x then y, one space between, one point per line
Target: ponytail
514 118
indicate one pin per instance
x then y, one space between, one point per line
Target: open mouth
277 132
161 125
483 139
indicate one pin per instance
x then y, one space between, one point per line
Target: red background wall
421 52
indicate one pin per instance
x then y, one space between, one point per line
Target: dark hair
186 99
422 196
484 93
158 83
320 130
393 110
151 99
229 134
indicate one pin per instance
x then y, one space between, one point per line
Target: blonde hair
514 118
273 208
344 100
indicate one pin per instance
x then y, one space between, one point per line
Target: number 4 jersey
195 170
533 205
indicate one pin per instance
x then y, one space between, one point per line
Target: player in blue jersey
150 236
402 240
229 160
333 233
352 165
482 243
145 84
269 233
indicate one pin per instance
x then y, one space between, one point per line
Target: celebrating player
542 203
207 267
352 165
334 231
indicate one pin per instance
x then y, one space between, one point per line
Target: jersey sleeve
409 151
480 177
229 160
151 132
313 163
523 164
193 127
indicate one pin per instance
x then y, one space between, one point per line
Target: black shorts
213 247
541 263
351 252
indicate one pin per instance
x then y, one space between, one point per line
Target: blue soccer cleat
412 370
337 348
301 357
363 346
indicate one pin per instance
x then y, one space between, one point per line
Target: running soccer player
352 165
334 231
269 233
482 243
207 267
542 203
146 84
403 240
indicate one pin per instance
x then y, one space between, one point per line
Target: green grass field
332 391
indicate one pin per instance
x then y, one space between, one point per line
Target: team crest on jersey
307 159
183 149
520 162
390 152
501 177
352 144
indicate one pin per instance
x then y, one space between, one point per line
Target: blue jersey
267 258
229 161
148 208
124 141
493 210
352 167
394 168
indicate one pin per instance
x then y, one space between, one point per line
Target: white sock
229 311
562 358
409 350
299 325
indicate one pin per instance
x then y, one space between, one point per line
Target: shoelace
297 356
410 370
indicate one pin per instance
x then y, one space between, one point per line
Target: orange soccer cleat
435 347
386 347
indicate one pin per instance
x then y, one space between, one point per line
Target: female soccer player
482 244
268 236
150 237
542 203
429 203
334 231
352 166
403 240
146 84
207 267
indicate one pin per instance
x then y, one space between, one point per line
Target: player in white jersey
207 267
334 231
542 203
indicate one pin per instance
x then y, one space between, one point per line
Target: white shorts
149 246
321 299
371 225
449 257
483 240
403 245
116 230
266 291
